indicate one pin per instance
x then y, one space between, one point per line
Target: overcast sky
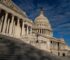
57 11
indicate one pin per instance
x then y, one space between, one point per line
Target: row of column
28 29
6 25
42 31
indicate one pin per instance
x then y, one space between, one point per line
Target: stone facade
14 23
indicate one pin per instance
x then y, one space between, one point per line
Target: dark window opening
63 54
58 46
25 26
51 41
15 19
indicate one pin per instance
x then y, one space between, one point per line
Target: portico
13 25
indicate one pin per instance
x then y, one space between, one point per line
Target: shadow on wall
12 49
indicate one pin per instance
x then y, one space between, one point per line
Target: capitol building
15 23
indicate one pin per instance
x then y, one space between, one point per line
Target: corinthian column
31 30
27 30
1 22
23 29
17 29
11 25
7 26
4 26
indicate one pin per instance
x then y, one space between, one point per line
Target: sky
57 12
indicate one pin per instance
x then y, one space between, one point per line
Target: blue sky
57 11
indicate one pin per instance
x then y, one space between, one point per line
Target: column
18 22
17 30
7 26
31 30
1 22
52 45
23 29
13 28
4 27
11 25
57 46
27 30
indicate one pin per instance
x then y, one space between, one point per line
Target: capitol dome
42 25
